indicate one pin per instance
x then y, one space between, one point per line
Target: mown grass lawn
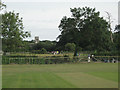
92 75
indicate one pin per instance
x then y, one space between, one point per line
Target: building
37 39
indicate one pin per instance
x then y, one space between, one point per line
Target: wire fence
57 59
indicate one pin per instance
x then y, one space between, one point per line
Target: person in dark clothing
93 58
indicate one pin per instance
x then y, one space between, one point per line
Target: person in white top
88 58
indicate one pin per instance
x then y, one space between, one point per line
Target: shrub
70 47
43 51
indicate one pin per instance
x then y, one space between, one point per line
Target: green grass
93 75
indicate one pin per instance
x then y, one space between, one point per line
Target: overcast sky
42 18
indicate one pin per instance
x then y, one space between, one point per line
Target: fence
56 59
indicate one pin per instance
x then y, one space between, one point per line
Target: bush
48 45
43 51
70 47
106 53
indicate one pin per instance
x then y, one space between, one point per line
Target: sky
119 13
61 0
42 18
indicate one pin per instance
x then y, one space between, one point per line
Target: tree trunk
111 37
75 52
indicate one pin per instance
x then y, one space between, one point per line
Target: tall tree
86 29
117 28
117 37
12 31
110 22
2 6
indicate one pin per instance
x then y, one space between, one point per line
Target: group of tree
47 45
87 30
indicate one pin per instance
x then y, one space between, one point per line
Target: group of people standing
92 57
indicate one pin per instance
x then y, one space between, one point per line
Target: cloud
60 0
42 19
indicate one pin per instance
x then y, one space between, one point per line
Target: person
88 58
57 52
93 58
113 61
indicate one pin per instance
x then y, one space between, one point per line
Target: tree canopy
48 45
86 29
12 31
117 37
70 47
2 6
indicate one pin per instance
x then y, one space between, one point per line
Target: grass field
92 75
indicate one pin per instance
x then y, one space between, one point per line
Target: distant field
92 75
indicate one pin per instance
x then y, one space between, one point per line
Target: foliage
48 45
86 29
25 47
35 60
12 31
117 37
70 47
106 53
2 6
43 51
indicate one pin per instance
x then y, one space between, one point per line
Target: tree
48 45
110 22
2 6
69 32
12 31
86 29
117 37
70 47
43 51
117 28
